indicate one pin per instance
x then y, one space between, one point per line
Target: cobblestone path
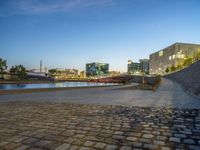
63 126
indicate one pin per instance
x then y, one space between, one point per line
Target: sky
71 33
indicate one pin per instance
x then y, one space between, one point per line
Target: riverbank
168 94
28 81
21 91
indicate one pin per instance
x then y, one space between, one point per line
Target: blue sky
71 33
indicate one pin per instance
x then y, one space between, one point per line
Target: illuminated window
170 57
174 56
161 53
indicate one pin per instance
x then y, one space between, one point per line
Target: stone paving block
194 147
134 139
78 142
165 148
69 140
156 132
150 146
161 138
137 144
79 136
88 143
111 147
156 142
84 148
30 141
119 137
64 146
145 140
126 148
100 145
3 143
148 136
119 132
22 147
189 141
174 139
11 146
74 147
35 148
180 135
42 143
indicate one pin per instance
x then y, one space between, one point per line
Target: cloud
49 6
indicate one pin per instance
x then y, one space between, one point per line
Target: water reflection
51 85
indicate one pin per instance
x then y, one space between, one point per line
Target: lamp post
142 67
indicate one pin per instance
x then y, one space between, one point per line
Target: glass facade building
144 65
138 68
133 68
97 69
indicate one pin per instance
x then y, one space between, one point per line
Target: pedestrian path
168 94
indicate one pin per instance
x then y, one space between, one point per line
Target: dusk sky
71 33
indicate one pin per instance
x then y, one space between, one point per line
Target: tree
52 72
18 70
197 56
173 68
3 65
167 70
187 61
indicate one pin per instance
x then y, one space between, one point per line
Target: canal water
52 85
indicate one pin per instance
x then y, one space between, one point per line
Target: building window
170 57
161 53
174 56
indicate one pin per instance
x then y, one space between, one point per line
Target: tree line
18 70
187 61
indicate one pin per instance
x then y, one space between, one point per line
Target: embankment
188 78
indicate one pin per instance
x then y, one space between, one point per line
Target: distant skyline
71 33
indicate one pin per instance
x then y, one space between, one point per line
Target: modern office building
114 73
135 68
82 74
97 69
173 55
144 66
64 73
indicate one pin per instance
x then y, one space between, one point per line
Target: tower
40 66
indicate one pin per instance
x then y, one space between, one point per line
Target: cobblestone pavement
70 126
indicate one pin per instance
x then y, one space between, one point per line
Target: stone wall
188 78
153 81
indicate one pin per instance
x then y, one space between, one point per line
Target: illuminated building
173 55
114 73
64 73
144 66
82 74
97 69
135 68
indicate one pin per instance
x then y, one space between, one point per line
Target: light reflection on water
51 85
